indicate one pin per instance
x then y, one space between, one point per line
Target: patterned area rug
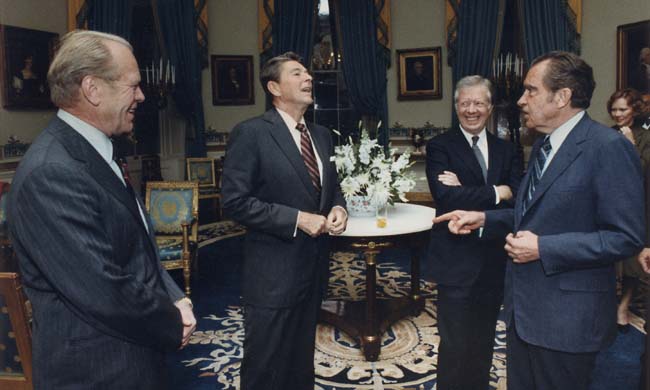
409 349
213 232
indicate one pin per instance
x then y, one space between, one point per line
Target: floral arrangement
366 169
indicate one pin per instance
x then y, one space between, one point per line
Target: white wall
415 24
51 16
600 19
232 31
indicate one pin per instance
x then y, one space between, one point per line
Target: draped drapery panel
110 16
364 63
573 9
178 20
548 25
478 21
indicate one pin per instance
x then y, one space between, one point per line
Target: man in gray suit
279 182
104 308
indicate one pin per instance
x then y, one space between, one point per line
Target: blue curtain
110 16
547 26
293 27
178 20
364 62
476 39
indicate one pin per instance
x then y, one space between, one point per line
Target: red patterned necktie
308 155
124 168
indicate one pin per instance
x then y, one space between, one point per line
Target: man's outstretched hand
461 221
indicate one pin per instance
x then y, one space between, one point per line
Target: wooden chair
174 208
15 335
207 172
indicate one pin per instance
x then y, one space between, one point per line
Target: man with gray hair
104 309
469 168
575 217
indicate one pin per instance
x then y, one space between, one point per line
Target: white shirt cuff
496 195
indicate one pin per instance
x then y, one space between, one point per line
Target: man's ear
91 90
273 87
563 97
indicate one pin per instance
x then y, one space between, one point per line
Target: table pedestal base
350 317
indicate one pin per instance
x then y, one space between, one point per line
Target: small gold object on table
367 320
382 216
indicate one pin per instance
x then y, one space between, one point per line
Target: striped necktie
536 174
308 155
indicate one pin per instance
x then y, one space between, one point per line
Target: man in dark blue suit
279 182
575 216
469 168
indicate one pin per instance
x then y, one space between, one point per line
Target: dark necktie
536 174
308 155
124 168
479 157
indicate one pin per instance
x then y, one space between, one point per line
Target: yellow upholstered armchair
174 207
207 172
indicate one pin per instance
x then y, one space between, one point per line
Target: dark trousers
467 319
279 346
531 367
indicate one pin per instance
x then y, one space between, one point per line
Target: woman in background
625 107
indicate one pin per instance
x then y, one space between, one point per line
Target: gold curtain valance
265 24
74 6
574 5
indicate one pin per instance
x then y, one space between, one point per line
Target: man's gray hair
81 53
473 81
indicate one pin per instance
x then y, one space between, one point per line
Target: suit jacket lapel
495 157
570 149
287 145
81 150
464 150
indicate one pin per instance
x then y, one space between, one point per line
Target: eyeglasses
477 103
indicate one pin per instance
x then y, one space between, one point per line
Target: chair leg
186 273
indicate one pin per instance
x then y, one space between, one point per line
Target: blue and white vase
360 206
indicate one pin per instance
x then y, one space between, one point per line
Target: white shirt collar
482 137
93 135
558 135
289 121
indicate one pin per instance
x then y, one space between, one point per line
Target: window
332 107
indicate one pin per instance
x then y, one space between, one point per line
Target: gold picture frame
419 73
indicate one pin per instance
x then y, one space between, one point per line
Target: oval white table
407 226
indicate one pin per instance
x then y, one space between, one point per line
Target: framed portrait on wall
232 80
418 74
25 57
633 56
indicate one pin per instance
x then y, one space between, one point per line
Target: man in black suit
469 168
104 309
575 216
279 182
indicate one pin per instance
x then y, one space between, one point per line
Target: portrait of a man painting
633 56
418 73
232 80
25 57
